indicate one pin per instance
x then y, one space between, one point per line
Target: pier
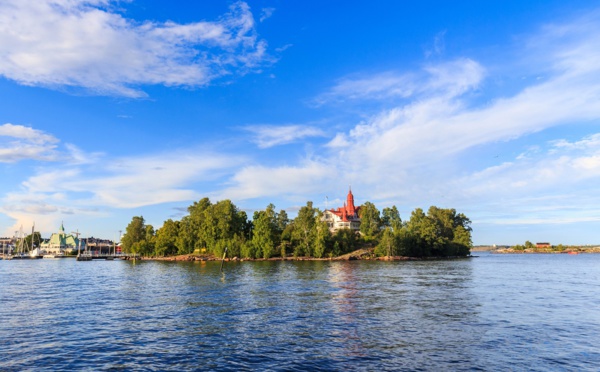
90 256
81 257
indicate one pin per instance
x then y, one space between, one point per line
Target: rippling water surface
492 312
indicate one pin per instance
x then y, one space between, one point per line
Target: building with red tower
345 217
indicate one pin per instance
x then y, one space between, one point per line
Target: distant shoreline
506 251
566 250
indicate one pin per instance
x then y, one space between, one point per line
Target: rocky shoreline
354 256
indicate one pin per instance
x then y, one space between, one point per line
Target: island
346 232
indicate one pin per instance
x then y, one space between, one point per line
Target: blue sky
114 109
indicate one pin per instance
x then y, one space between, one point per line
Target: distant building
61 242
345 217
543 245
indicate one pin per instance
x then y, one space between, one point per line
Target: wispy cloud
266 13
283 48
292 181
266 136
589 142
559 170
454 77
133 182
438 46
87 44
100 183
18 142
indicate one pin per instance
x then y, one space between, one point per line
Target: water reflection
438 315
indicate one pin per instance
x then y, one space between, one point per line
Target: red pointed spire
351 209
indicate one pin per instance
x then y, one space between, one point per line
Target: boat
23 251
60 254
36 253
84 256
20 256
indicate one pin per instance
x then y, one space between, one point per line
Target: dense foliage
209 228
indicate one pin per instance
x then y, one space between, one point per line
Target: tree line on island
209 228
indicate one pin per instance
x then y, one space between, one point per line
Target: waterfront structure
345 217
60 242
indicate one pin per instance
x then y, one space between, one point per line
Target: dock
90 256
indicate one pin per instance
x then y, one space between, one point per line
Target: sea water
492 313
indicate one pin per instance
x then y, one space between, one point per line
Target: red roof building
345 217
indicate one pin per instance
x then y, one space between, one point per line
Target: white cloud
133 182
18 142
102 183
260 181
283 48
441 122
86 44
449 78
438 46
589 142
266 13
560 171
266 136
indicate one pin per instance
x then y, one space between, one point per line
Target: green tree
246 225
370 220
134 233
422 235
138 237
33 240
321 236
187 236
166 238
265 234
442 232
462 242
304 229
286 239
192 231
149 239
391 218
282 220
346 240
236 244
387 244
219 224
390 242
